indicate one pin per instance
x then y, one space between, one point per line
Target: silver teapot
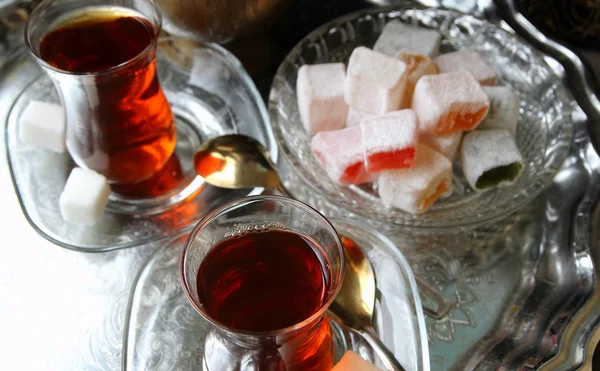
218 20
203 20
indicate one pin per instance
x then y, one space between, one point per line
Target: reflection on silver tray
206 105
515 285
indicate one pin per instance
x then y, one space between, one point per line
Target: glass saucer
210 93
164 332
544 129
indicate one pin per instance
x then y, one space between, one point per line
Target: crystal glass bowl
544 130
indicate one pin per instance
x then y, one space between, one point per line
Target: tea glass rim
232 205
35 14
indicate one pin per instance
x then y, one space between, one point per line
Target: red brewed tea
119 121
162 182
262 281
268 281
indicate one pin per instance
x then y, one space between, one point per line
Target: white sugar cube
85 196
353 362
320 92
397 36
490 158
42 125
504 109
375 82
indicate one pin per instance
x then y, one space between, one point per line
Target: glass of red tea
101 56
263 270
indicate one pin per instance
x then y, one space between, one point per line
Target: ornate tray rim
573 341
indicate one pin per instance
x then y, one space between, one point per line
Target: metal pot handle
579 79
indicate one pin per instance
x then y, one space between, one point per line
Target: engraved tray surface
515 285
540 273
164 332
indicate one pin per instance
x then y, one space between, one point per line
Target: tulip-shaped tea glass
263 270
101 56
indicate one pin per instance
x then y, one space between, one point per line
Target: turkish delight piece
320 93
353 362
341 155
418 66
375 82
355 117
396 36
414 190
390 140
449 102
467 60
445 144
490 158
504 109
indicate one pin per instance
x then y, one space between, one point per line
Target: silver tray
567 216
515 284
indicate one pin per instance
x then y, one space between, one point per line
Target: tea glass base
191 113
164 332
188 140
343 340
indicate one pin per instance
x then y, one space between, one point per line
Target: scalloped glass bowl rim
541 183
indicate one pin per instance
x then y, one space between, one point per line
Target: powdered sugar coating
395 131
418 65
339 150
467 60
445 144
397 35
411 189
485 150
504 109
375 82
320 93
355 117
438 96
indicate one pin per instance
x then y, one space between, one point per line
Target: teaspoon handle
386 356
442 304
